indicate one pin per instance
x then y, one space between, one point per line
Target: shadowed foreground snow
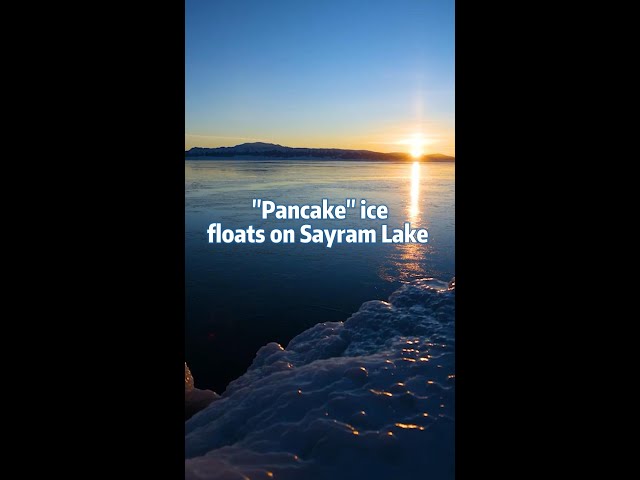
372 397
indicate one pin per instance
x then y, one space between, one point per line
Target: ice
188 380
195 399
371 397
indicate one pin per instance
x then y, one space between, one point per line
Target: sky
364 74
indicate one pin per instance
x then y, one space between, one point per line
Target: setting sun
416 149
415 144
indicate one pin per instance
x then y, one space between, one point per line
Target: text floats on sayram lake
308 234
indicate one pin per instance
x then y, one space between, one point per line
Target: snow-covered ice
194 398
371 397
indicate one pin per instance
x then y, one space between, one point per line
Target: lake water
242 296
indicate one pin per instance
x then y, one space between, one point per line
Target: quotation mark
350 202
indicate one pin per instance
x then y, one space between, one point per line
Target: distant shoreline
272 151
311 159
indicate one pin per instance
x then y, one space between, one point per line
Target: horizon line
311 148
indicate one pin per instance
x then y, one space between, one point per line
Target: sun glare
416 149
415 145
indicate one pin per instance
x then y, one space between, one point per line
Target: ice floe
371 397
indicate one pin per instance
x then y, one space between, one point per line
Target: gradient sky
336 73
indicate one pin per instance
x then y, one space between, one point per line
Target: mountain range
261 150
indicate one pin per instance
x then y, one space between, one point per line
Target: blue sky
348 74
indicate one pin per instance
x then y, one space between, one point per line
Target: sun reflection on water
411 255
408 261
414 204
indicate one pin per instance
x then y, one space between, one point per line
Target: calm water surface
240 297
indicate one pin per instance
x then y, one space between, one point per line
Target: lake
241 296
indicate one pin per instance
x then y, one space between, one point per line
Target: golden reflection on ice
378 392
409 426
408 261
414 204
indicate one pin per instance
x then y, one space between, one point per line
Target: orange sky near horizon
367 75
399 139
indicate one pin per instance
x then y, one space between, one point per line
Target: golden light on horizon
416 150
416 144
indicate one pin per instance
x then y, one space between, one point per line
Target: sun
415 144
416 148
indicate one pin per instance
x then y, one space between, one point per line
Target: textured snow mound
372 397
195 399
